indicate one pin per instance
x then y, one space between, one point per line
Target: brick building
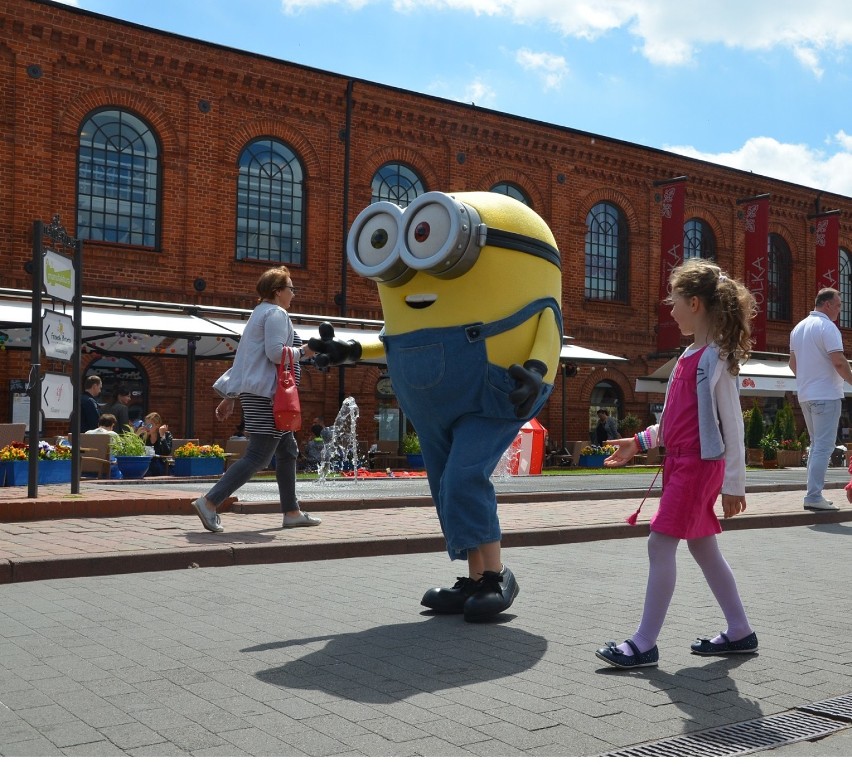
201 122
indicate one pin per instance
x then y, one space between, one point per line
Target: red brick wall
90 62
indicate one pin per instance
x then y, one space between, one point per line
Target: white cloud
669 33
551 67
476 92
829 170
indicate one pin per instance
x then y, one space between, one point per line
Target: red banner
756 261
672 198
827 248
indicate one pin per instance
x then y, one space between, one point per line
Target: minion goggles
436 234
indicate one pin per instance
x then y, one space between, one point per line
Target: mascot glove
331 351
529 380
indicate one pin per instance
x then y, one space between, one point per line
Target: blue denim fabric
260 451
459 405
821 418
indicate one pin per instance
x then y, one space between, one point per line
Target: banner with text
827 247
756 216
672 197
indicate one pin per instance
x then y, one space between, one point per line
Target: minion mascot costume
471 286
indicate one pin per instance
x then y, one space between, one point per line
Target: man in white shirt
820 367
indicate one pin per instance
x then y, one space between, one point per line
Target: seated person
314 448
106 425
157 435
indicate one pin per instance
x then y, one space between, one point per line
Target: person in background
252 380
119 408
157 435
106 425
820 366
90 411
325 431
606 428
314 448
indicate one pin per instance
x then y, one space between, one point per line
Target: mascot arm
332 351
548 344
539 368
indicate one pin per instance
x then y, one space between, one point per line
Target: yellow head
453 259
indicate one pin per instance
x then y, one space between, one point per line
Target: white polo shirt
812 340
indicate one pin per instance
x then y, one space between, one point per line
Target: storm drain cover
836 708
741 738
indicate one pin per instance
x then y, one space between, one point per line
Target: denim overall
459 405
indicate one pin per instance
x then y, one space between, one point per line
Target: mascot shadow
387 663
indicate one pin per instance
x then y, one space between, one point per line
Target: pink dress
690 485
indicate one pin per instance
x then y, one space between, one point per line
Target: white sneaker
208 516
821 505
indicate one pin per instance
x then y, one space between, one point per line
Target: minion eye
439 235
372 247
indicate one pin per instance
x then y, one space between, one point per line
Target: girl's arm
731 424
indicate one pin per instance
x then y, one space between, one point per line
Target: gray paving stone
127 736
39 746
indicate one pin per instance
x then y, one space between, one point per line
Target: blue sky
760 85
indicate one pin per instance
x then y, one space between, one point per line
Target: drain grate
741 738
835 708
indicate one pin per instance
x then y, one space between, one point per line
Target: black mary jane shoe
739 647
495 593
615 657
450 600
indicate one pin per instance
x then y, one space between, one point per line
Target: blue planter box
415 461
133 466
591 461
199 467
17 473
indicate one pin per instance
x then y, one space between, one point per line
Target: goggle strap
513 241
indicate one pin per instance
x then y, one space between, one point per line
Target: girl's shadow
388 663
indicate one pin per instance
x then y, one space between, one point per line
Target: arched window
778 279
845 288
511 190
270 204
118 180
397 183
607 253
698 240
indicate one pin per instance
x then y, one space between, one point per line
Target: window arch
607 253
396 183
118 179
698 240
511 190
778 279
270 203
845 287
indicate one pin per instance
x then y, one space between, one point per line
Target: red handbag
286 408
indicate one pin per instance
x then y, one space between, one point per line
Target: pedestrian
119 408
702 430
253 379
820 366
90 411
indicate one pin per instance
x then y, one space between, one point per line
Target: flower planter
415 461
133 466
198 467
16 473
754 456
591 461
788 458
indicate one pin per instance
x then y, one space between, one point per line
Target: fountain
509 459
340 453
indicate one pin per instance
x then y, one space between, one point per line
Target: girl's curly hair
730 306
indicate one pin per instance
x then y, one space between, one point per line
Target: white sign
58 335
58 276
57 395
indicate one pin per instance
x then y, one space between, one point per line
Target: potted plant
789 451
193 460
770 451
629 425
130 454
411 450
593 456
54 464
753 436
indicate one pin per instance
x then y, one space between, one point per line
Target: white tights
662 575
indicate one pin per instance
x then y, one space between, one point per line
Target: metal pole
189 427
34 383
76 372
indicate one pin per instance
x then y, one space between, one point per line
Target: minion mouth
420 300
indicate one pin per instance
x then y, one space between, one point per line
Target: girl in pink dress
702 430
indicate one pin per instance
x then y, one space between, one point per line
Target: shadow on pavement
836 529
390 663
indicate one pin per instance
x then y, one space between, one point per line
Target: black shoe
739 647
444 600
615 657
495 594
